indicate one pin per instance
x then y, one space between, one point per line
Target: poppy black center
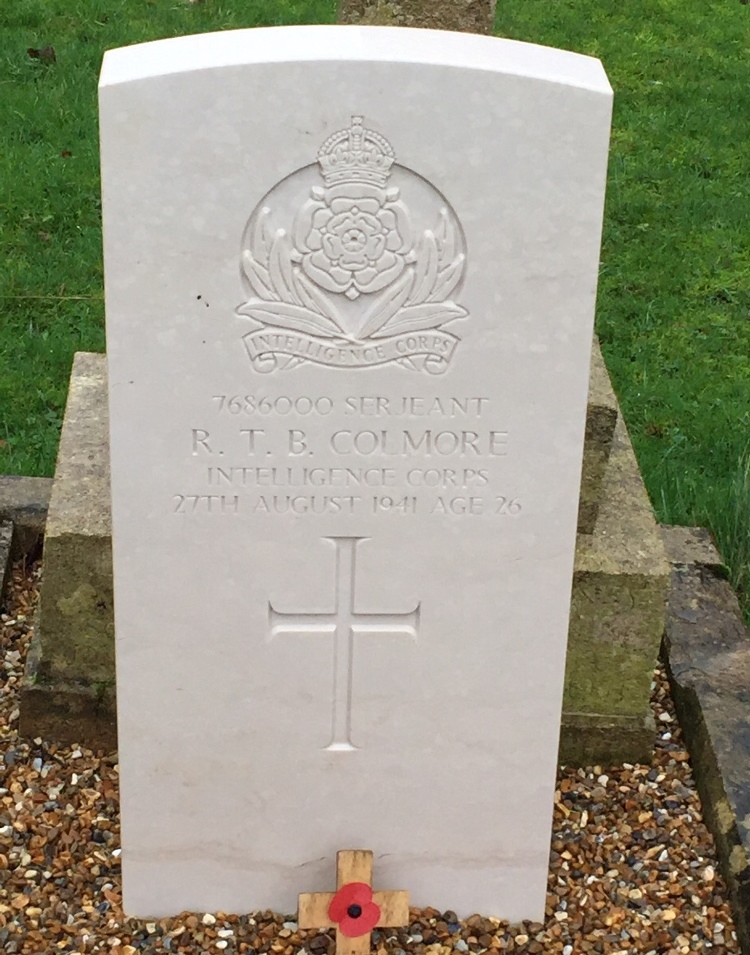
354 911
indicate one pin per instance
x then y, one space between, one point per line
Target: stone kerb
617 613
707 653
24 502
6 540
69 687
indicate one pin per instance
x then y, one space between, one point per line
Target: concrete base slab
589 740
619 595
67 712
76 603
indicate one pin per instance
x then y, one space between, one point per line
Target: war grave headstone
349 325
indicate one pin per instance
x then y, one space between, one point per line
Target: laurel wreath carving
285 297
417 301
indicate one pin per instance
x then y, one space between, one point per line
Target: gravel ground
632 866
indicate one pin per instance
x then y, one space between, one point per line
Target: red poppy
353 910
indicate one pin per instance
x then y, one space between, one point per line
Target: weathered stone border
707 652
24 501
6 542
69 711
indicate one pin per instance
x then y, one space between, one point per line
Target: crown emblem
356 154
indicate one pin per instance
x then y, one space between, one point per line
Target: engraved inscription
409 442
350 455
362 274
365 405
343 625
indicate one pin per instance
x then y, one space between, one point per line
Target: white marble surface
343 548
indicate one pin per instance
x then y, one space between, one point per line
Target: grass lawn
674 301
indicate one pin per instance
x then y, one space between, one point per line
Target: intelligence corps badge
352 262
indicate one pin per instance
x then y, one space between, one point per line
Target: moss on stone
76 605
6 542
617 618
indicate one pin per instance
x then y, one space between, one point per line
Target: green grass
674 299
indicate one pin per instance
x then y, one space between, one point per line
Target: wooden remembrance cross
354 909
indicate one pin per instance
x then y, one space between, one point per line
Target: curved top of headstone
347 43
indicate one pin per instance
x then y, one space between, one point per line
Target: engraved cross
343 624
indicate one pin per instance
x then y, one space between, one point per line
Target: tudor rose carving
363 270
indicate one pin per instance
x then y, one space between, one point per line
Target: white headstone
350 284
